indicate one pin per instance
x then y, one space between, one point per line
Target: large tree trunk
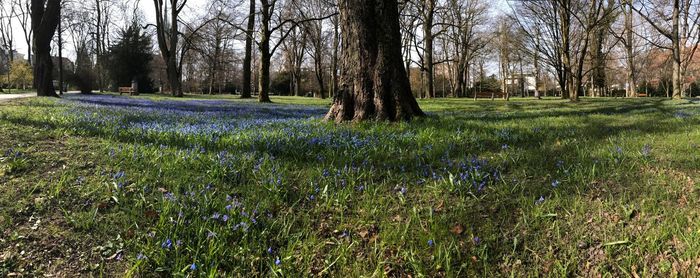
45 17
247 61
265 55
374 80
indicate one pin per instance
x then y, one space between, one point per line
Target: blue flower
193 266
540 200
555 183
403 190
476 240
167 244
119 175
169 196
278 261
270 251
141 256
646 150
224 218
211 234
430 242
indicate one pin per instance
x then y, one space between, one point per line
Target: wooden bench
129 90
641 95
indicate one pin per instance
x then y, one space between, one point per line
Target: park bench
642 95
129 90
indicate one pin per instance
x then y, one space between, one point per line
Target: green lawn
155 186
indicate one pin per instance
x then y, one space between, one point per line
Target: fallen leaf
151 214
440 206
457 229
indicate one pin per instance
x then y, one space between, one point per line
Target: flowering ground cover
151 186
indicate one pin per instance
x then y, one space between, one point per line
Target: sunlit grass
229 187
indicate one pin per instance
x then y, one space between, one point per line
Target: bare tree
294 48
465 19
247 61
22 11
7 37
681 31
168 34
318 38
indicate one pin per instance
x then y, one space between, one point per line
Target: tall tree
129 59
247 61
167 21
465 18
271 21
427 13
627 40
680 28
22 11
45 17
294 48
7 39
374 81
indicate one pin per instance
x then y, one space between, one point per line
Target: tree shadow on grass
539 146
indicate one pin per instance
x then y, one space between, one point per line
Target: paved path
6 97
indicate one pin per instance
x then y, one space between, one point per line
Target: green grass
604 186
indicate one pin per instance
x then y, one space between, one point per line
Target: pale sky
194 7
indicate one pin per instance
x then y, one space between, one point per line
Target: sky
147 8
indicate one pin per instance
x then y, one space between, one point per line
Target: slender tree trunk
675 39
374 80
60 56
247 61
429 12
319 75
629 49
265 56
264 74
98 47
536 61
334 63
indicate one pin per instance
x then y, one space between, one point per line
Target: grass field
151 186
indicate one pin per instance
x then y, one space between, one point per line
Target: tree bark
629 49
675 39
168 38
374 81
334 63
247 61
428 68
264 72
45 17
265 55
